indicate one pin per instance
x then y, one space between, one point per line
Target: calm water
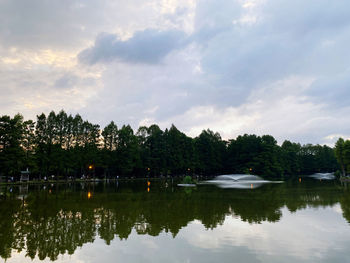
305 221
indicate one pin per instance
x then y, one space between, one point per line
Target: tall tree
340 154
210 151
28 144
128 150
12 155
110 140
41 139
110 136
290 157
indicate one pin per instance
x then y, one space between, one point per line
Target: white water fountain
239 181
323 176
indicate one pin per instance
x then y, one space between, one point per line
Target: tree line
342 152
68 146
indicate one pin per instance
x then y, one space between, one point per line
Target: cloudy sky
276 67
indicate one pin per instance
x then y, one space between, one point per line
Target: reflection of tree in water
47 228
47 225
8 210
345 202
258 206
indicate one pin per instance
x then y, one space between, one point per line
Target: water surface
296 221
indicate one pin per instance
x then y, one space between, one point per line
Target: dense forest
67 146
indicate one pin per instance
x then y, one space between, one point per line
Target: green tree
28 144
110 140
12 155
179 151
347 156
210 150
41 140
340 154
128 151
290 157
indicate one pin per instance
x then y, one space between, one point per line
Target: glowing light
89 195
148 169
299 180
148 189
148 183
90 167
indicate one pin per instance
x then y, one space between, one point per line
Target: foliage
342 152
12 156
68 146
187 180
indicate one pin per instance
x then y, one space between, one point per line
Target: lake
300 220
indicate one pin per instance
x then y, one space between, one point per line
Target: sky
276 67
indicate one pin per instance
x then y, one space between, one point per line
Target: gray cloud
333 90
148 46
69 24
283 38
44 23
67 81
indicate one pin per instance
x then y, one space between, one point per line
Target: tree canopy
67 146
